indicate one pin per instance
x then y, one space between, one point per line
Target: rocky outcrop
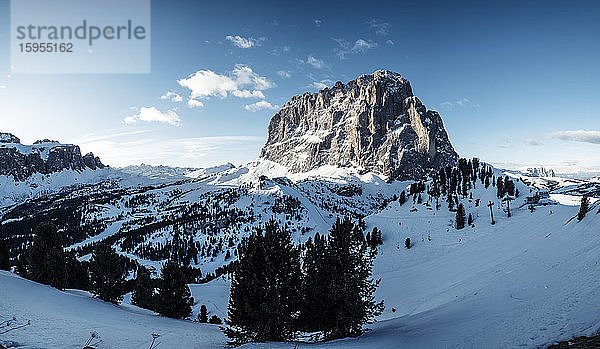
541 172
374 123
21 161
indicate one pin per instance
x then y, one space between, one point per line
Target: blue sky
517 83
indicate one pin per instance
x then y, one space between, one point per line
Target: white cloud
319 85
151 114
261 105
362 45
284 74
242 82
172 96
318 22
390 42
193 103
242 42
585 136
381 28
286 49
315 62
248 94
2 86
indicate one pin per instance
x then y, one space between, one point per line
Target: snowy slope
526 281
65 320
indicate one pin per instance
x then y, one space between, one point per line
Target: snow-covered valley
527 281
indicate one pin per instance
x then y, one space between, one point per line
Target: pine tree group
336 289
584 207
45 260
107 272
143 290
266 278
375 238
174 296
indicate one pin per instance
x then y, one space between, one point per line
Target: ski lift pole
490 205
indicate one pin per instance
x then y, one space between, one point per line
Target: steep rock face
374 123
21 161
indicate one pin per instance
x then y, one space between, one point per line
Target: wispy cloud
585 136
172 96
174 152
345 47
362 45
381 28
151 114
243 42
319 85
109 134
318 22
284 74
450 105
315 62
532 141
261 105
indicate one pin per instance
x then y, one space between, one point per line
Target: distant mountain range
45 156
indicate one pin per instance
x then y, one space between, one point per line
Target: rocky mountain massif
374 123
21 161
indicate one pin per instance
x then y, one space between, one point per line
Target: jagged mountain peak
8 138
45 156
373 122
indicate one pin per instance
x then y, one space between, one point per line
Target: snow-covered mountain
541 172
21 161
167 172
374 123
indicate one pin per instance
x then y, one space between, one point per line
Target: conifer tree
143 290
500 187
107 274
584 207
264 298
351 302
4 256
402 198
315 285
460 217
407 243
203 317
174 296
470 220
77 273
45 262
